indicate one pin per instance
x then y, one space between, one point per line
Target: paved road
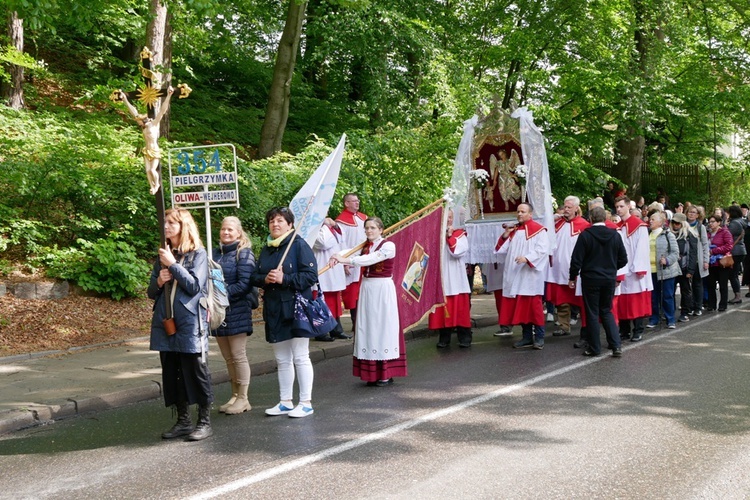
671 419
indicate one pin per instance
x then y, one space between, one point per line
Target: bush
107 266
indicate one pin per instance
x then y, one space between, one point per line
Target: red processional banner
416 272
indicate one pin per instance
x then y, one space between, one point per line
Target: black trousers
185 378
720 275
597 302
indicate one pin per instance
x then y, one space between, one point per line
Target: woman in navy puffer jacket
236 258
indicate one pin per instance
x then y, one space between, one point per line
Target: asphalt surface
42 388
670 419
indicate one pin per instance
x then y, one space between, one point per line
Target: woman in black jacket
235 255
687 243
280 281
737 226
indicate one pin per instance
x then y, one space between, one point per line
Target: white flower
554 202
522 171
449 194
480 177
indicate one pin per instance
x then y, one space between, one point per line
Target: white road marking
376 436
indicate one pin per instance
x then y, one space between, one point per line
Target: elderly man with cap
567 229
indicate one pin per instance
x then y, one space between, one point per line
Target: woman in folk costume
456 311
525 249
379 347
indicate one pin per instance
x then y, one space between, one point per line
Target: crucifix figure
150 128
149 95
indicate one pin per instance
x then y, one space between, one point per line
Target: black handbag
312 318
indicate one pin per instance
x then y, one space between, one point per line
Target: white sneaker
279 409
550 317
301 411
573 321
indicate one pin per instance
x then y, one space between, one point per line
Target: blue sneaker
279 409
301 411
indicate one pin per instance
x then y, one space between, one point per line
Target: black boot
184 426
444 338
464 336
338 332
203 427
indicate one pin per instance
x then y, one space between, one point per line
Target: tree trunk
277 109
155 41
629 161
14 92
630 149
166 121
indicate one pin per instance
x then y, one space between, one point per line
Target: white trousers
290 355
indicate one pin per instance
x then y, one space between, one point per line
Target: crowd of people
621 269
628 289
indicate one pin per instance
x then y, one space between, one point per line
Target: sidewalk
42 388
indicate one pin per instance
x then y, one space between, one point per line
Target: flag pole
390 229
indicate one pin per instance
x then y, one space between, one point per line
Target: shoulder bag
312 318
728 260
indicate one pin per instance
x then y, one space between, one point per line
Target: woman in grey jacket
694 218
665 267
180 276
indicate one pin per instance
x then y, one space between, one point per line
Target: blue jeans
529 329
662 297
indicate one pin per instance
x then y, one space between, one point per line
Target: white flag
310 205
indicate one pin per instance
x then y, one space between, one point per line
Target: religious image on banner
416 270
419 287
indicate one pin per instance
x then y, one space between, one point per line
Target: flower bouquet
522 172
480 177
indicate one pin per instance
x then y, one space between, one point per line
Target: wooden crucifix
148 95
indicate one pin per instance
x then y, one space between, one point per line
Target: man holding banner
352 224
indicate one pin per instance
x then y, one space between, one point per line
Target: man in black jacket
597 255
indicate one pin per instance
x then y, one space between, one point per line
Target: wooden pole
390 229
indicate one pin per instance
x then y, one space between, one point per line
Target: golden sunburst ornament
148 95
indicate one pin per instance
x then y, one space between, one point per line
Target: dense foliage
398 77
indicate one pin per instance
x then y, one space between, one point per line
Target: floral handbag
312 318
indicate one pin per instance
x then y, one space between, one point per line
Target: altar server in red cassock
456 311
567 229
634 302
379 347
525 248
352 224
333 281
